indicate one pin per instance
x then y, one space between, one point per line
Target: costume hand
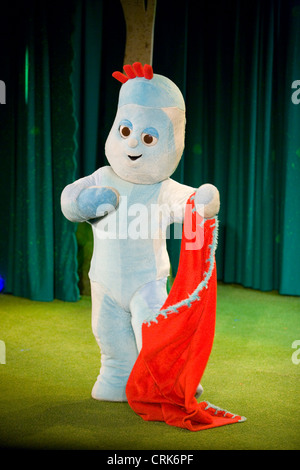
208 198
97 201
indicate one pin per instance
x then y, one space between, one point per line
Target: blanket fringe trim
194 297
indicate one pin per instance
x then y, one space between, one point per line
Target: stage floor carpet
51 361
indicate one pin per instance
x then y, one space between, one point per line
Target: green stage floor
52 361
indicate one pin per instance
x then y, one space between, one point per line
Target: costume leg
112 329
145 304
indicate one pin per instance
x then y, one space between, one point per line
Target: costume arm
173 200
207 199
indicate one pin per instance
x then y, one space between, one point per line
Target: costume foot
199 391
104 392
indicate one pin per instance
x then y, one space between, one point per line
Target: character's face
145 145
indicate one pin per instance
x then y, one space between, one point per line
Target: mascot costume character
154 346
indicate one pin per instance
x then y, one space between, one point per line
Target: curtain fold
243 130
37 252
290 222
98 42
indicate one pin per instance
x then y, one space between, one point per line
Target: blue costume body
130 205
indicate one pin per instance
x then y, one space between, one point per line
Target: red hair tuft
133 71
120 77
138 68
129 71
148 72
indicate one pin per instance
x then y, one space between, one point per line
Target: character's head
146 140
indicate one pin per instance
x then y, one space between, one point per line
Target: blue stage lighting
2 283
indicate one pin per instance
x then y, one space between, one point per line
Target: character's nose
132 142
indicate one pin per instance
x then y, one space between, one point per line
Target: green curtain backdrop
235 62
37 246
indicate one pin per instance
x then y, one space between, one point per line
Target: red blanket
177 344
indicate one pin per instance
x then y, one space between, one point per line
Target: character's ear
133 71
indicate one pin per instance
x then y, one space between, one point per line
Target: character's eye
150 137
125 131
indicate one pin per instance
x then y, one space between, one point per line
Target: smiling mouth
133 157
